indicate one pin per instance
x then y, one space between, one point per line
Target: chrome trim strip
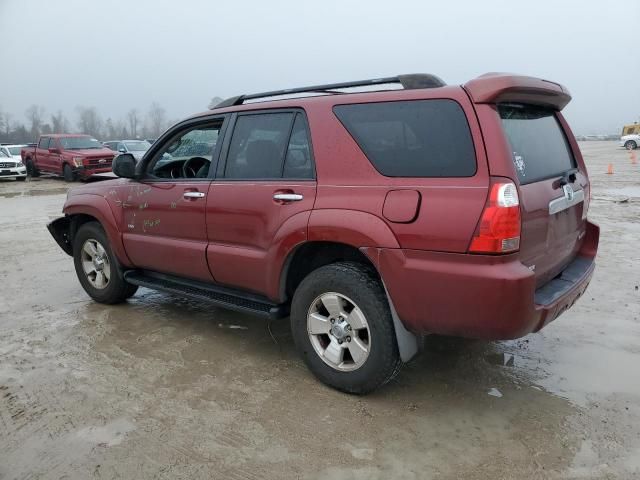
562 203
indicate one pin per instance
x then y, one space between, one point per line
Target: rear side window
539 147
258 145
419 138
297 163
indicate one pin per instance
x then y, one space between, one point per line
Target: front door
261 199
163 214
42 154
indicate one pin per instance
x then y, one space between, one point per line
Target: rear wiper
567 177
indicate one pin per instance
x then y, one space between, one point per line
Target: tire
115 289
32 171
630 145
352 284
68 174
21 179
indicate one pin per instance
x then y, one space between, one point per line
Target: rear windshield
419 138
539 147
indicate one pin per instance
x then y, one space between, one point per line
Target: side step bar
221 296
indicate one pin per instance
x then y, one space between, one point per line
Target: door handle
193 195
288 197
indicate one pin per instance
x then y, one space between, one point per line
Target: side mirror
54 150
124 166
122 150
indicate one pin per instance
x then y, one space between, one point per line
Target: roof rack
408 82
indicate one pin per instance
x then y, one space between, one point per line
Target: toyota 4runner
369 218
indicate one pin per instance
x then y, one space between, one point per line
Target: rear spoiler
507 87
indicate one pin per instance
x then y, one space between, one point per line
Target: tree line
135 124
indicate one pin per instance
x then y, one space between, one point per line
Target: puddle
34 193
630 191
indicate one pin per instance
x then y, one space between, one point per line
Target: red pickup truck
73 156
371 218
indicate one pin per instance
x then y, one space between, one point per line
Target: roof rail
408 82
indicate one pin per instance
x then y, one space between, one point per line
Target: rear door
265 186
554 188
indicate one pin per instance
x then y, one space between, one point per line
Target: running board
221 296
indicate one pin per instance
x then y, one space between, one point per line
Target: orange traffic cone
610 169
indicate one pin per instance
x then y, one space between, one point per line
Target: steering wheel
190 172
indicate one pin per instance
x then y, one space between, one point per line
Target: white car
630 142
10 167
12 150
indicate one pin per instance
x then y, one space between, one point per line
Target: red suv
370 218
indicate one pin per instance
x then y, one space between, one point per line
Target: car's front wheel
97 268
68 174
630 145
32 171
342 327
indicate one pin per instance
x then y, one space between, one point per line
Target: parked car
630 142
369 218
10 167
73 156
12 150
137 148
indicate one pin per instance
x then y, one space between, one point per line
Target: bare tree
59 123
157 119
89 121
34 114
214 101
132 118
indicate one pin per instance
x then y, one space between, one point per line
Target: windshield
539 147
137 146
80 143
15 150
2 154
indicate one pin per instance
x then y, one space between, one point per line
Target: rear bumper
480 296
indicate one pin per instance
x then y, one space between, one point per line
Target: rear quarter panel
347 178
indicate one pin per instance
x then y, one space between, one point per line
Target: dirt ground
162 387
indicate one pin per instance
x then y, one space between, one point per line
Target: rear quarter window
417 138
539 147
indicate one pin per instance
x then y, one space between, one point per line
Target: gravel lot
161 387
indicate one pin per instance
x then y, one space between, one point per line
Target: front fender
97 206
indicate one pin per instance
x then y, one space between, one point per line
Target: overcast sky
116 55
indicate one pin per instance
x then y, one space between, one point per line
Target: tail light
499 228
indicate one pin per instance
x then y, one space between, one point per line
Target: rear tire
357 352
68 174
97 267
630 145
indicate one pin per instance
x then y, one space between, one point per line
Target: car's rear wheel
32 171
97 268
630 145
68 174
342 327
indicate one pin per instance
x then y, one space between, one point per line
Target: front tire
97 268
630 145
343 329
32 171
21 179
68 174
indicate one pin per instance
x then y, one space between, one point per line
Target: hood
93 152
101 188
632 136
